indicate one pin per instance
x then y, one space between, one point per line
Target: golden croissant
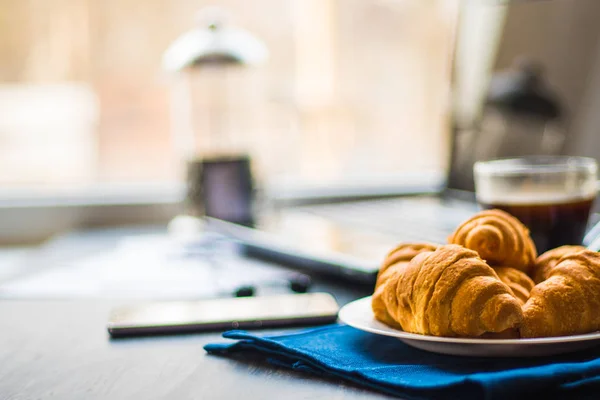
568 301
499 238
518 282
394 263
450 292
549 259
402 253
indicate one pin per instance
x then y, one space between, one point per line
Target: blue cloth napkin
388 365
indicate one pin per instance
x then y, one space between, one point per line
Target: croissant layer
450 292
499 238
392 267
546 261
568 301
519 283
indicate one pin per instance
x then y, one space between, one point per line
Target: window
351 89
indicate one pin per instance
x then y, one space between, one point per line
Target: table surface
60 349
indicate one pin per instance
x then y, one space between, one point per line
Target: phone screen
242 312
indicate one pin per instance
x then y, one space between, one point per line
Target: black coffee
551 225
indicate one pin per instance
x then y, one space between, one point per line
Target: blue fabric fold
388 365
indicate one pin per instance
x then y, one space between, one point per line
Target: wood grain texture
61 350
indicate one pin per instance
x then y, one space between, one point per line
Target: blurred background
84 97
352 92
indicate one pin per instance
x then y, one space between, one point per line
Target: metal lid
212 42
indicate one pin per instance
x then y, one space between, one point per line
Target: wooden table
60 349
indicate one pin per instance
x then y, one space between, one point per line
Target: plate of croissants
485 293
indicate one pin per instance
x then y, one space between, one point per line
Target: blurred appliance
521 115
210 68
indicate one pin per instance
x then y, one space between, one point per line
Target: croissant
545 262
567 302
402 253
518 282
499 238
450 292
394 263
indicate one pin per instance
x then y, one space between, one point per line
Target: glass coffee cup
551 195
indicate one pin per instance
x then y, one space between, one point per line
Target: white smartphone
223 313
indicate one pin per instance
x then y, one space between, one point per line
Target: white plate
359 315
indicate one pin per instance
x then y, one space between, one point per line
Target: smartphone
223 313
